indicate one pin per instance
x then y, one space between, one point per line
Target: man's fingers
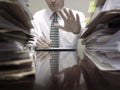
59 26
77 18
43 42
71 14
39 42
62 15
43 39
66 12
44 35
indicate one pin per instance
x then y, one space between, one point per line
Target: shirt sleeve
35 31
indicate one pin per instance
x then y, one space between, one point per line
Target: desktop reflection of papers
66 78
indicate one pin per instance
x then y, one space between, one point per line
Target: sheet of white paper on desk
111 5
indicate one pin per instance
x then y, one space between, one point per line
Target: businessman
57 20
70 23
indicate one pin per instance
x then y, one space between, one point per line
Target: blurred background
80 5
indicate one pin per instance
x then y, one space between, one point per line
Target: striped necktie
54 32
54 36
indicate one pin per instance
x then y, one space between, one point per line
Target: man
69 24
69 30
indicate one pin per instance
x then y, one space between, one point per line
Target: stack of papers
100 2
15 25
106 12
103 48
101 20
111 5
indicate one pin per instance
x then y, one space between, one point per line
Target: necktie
54 36
54 32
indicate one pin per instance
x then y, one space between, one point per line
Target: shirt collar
50 12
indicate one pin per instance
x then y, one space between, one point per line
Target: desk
66 78
45 80
26 83
97 79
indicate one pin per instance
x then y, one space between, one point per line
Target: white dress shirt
42 22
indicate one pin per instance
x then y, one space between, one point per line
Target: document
15 9
100 3
11 19
102 19
102 36
16 62
10 46
103 48
16 74
111 5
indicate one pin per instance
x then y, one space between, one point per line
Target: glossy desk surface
67 77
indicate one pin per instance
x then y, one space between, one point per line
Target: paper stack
102 37
106 12
103 48
16 67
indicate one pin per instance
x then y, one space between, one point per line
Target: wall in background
80 5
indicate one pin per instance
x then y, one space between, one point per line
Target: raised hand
71 22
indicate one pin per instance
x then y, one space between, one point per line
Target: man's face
55 5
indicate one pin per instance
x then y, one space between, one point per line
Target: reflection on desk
66 78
